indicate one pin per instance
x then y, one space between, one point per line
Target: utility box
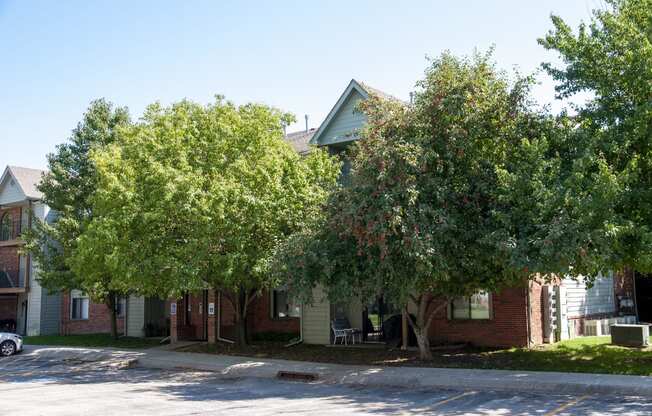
630 335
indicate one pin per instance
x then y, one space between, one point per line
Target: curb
416 377
394 377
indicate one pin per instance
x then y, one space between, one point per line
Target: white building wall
584 301
10 193
34 303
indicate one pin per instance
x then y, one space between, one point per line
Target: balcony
13 281
10 232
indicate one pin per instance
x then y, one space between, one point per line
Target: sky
56 57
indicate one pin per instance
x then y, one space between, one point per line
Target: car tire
7 348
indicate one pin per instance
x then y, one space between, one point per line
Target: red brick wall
8 307
259 318
15 217
536 311
508 326
194 329
9 262
99 319
9 259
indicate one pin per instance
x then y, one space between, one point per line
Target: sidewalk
404 377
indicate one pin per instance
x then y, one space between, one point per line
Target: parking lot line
450 399
566 405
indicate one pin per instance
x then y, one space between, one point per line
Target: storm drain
297 376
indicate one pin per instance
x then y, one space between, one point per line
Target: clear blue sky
55 57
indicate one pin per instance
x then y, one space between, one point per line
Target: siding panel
316 319
10 192
50 312
136 316
583 301
346 122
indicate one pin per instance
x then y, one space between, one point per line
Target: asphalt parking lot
40 386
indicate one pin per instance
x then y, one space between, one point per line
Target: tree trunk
424 318
114 317
424 344
241 317
240 330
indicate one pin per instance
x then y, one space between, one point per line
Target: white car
10 344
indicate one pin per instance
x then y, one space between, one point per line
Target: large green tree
68 188
609 62
196 197
422 219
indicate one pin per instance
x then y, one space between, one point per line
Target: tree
609 61
196 197
68 189
421 219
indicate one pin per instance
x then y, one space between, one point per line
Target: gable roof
361 88
300 140
27 179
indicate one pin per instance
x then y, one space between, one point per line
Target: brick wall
8 307
259 318
99 319
190 326
15 217
536 311
9 262
508 326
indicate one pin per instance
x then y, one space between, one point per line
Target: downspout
528 315
300 340
218 313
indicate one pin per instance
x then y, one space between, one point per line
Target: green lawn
92 340
581 355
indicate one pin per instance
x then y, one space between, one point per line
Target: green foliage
68 188
200 196
421 213
426 212
609 59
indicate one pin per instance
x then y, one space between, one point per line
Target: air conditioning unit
630 335
592 328
629 319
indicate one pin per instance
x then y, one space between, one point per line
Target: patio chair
342 330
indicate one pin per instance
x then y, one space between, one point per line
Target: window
477 306
282 306
6 227
78 305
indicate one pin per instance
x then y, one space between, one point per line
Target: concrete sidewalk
403 377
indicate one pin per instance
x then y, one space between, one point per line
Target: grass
92 340
581 355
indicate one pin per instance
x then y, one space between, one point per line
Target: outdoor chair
343 331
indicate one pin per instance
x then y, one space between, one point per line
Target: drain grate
297 376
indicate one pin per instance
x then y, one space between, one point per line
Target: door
374 320
644 297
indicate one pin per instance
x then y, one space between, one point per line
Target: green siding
346 123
